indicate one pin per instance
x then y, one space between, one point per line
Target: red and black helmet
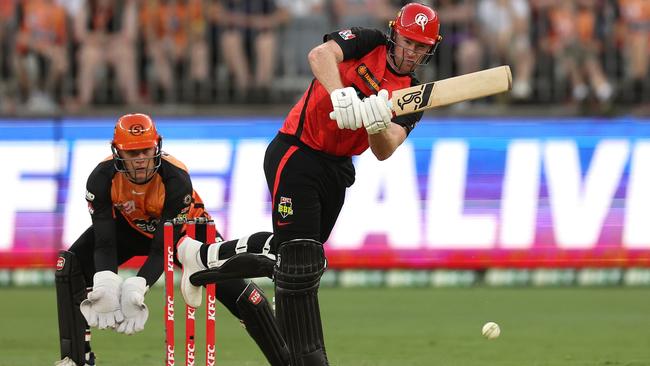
419 23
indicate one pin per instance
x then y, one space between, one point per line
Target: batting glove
102 307
347 108
133 307
376 112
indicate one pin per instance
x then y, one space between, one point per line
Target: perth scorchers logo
137 129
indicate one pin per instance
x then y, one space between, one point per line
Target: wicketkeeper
130 195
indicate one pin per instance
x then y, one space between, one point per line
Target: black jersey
112 197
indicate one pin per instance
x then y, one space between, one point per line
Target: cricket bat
449 91
452 90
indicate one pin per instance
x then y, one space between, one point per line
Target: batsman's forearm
384 143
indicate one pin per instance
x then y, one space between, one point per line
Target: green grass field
442 327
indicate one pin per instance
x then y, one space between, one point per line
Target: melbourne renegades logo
137 129
421 20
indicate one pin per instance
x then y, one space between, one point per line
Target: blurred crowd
66 55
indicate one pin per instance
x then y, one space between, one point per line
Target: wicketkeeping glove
102 307
133 307
347 108
376 112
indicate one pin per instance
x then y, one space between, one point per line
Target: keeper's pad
70 292
242 265
300 265
258 318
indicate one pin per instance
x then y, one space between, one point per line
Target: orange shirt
7 9
635 10
568 25
44 21
175 20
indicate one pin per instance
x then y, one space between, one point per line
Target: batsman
130 195
308 167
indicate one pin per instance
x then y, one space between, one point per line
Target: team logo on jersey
421 20
126 207
347 34
285 207
89 196
367 77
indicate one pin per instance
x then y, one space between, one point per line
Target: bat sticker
415 97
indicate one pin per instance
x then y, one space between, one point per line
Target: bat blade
452 90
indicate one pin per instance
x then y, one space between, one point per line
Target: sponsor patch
89 196
285 207
126 207
347 34
368 78
255 297
60 263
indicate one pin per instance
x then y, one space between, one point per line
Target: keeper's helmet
419 23
136 132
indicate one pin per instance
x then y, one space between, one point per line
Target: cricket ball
491 330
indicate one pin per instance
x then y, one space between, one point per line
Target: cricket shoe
90 361
189 254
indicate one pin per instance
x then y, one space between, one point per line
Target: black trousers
307 189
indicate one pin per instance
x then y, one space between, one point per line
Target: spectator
7 27
255 22
504 27
634 35
174 32
460 35
106 31
575 44
309 21
363 13
42 39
